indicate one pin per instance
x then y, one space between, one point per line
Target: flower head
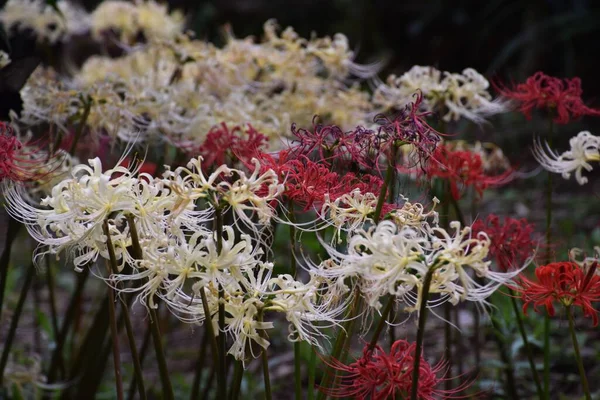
378 375
511 241
567 283
560 97
463 169
585 148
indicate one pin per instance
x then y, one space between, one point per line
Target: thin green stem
11 235
154 322
115 343
114 269
509 369
210 332
64 329
12 330
584 382
222 353
312 368
238 374
293 267
547 326
389 175
265 363
534 372
142 356
382 322
53 313
330 374
200 361
84 117
421 332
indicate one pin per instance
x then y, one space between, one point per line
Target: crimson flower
18 163
378 375
564 282
512 241
562 97
462 169
223 143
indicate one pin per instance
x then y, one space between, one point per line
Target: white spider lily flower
466 96
244 195
349 212
585 148
454 95
77 208
243 324
452 255
413 215
309 307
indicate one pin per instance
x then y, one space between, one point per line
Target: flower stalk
584 382
414 395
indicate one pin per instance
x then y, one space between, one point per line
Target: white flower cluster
452 95
185 255
43 20
393 257
585 148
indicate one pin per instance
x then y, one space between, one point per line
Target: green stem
382 322
210 331
11 235
53 313
86 113
584 382
265 364
142 356
64 329
293 265
389 175
115 342
509 369
330 374
200 361
547 326
222 353
155 329
421 333
312 364
137 367
534 372
12 330
238 374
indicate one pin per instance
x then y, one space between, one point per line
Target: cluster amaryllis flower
565 283
184 258
388 259
175 89
585 149
464 169
512 241
560 97
380 375
452 95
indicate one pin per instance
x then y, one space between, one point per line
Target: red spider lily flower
378 376
328 142
462 168
512 240
19 162
563 282
561 97
223 144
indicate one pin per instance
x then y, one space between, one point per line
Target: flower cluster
463 168
453 95
562 98
585 148
565 283
512 241
380 375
